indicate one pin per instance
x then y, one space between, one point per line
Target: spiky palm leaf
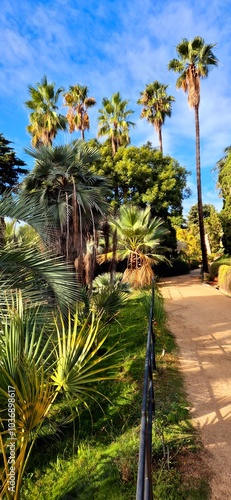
42 277
38 370
139 240
138 235
78 367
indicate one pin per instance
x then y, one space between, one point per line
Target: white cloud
120 45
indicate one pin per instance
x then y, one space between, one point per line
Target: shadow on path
199 316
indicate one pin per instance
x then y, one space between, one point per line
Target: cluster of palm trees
195 60
66 203
62 181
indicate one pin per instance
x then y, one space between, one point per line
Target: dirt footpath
199 316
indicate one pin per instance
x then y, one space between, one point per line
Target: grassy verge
102 461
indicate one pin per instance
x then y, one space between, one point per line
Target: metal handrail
144 479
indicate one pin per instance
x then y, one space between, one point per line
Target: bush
178 267
108 298
224 278
214 267
194 264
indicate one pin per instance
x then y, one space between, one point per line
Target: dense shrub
194 264
214 267
224 278
108 298
178 267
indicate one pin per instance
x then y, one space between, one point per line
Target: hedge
214 267
224 279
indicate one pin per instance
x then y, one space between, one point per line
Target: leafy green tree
142 175
28 236
157 104
195 61
114 122
224 185
78 104
139 241
17 235
212 224
193 216
45 120
188 243
11 167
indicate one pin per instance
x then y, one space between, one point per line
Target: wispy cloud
113 46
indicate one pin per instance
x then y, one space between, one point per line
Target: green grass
102 462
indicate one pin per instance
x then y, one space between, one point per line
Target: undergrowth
101 461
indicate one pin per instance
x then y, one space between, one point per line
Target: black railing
144 489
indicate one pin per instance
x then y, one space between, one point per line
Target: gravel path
199 316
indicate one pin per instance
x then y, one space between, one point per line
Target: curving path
199 316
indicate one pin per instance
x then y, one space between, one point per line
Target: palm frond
41 276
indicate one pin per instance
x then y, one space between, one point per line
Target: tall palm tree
73 197
45 121
139 241
113 121
78 103
157 104
196 58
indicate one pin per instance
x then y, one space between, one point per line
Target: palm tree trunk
114 250
160 139
68 230
2 231
76 250
205 268
113 145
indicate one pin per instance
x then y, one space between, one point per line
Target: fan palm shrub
109 296
140 242
45 359
73 199
42 366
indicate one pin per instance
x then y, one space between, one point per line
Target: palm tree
72 196
113 121
45 121
139 241
195 61
78 103
157 105
42 277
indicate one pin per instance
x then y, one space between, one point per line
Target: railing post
144 479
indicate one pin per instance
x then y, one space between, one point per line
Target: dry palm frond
142 276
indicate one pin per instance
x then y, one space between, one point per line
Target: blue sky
112 45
